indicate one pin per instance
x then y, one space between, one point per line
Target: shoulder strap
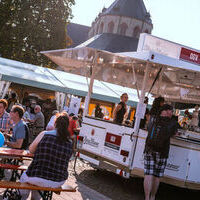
152 132
26 139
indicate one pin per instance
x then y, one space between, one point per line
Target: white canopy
172 78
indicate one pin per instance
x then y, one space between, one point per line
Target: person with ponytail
52 151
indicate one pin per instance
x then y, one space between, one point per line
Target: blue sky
174 20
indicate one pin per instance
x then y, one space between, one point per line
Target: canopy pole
4 85
6 89
142 96
90 89
138 119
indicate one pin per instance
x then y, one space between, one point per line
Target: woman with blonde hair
121 109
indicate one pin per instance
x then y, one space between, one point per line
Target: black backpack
159 134
25 143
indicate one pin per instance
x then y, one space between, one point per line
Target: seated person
49 168
5 121
50 125
38 121
26 115
19 138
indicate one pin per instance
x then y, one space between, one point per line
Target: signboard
113 141
152 43
140 111
74 105
94 138
190 55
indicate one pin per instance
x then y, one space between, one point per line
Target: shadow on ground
118 188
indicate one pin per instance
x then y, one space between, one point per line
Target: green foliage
30 26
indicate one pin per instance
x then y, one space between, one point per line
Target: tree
30 26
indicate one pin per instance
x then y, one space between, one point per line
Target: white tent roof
180 79
45 78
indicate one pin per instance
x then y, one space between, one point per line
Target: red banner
190 55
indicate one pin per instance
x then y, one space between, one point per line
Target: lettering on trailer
113 141
190 55
169 166
90 141
172 167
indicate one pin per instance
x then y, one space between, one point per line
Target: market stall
158 67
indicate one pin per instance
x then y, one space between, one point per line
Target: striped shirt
5 122
51 159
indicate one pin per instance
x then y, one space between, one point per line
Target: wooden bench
45 192
15 170
13 167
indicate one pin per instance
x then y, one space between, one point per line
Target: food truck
159 67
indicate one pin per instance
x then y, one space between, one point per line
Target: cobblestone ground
101 185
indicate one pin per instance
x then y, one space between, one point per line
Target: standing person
38 121
46 110
80 116
121 109
12 101
52 151
73 125
74 130
5 122
98 112
145 120
18 139
157 149
25 98
157 103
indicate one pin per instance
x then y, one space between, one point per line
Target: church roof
129 8
112 42
78 33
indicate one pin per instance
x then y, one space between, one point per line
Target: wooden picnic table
8 152
12 187
13 159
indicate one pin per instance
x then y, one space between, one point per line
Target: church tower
124 17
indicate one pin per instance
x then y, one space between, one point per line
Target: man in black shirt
160 129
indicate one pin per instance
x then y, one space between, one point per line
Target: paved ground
101 185
114 187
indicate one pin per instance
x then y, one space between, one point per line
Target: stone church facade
122 22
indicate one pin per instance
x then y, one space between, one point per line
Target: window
122 28
97 29
110 27
101 27
136 32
